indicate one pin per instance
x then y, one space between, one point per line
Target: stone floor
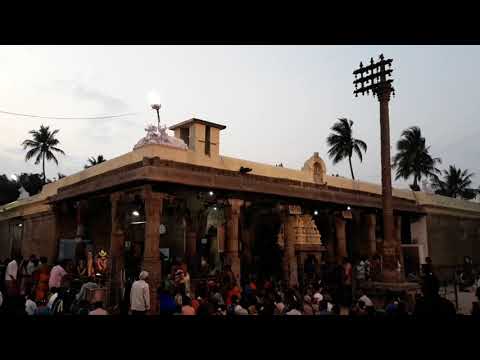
465 299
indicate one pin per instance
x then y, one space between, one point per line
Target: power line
71 118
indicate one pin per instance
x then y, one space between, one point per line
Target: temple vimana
177 197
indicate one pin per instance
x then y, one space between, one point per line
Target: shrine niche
300 239
306 234
316 166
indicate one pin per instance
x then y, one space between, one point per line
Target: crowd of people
33 287
331 295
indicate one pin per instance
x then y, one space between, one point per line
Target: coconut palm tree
43 144
343 144
94 161
455 183
413 158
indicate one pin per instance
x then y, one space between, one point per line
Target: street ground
465 299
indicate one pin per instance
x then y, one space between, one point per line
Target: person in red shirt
196 303
234 291
187 308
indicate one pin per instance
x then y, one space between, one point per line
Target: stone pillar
81 213
53 252
398 242
291 263
151 255
371 223
232 243
420 236
117 243
392 254
330 255
357 234
221 238
341 237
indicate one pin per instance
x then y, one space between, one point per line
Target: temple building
177 197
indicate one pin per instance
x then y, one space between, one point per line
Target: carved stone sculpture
159 136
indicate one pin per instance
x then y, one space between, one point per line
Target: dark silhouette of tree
8 190
413 158
343 144
455 183
32 183
94 161
42 146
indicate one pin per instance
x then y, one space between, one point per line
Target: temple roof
198 121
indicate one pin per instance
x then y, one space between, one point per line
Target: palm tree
413 158
455 183
342 144
42 145
94 161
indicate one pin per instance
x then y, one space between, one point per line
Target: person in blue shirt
166 301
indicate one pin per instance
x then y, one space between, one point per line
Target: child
30 305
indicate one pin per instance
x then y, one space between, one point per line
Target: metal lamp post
157 108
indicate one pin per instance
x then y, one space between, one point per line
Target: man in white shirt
11 274
140 295
363 297
30 306
12 270
52 298
32 265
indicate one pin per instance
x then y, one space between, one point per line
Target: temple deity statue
101 263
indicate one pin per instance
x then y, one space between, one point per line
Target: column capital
370 219
235 203
116 196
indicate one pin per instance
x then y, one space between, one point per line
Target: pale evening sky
278 102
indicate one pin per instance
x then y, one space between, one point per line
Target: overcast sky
278 102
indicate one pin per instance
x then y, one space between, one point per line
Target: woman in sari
42 276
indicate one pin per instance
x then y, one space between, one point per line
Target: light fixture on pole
157 107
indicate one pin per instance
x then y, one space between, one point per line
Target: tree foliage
413 158
42 146
455 183
343 144
92 161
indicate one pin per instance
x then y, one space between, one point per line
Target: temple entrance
266 253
